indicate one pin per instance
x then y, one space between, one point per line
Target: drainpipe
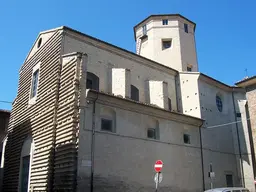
202 157
238 139
93 142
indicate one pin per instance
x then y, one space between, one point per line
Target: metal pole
157 180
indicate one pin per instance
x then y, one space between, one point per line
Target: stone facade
104 115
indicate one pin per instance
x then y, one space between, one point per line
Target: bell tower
168 39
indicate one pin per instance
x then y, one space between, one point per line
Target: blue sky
225 32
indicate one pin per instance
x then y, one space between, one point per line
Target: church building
91 116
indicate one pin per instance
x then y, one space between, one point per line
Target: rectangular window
144 28
151 133
165 21
34 83
186 138
106 125
166 44
186 27
170 104
135 94
238 115
189 69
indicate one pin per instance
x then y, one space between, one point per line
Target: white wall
124 160
101 61
183 49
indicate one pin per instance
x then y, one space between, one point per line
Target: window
238 115
186 27
134 93
144 29
189 68
186 138
39 42
169 104
92 81
34 83
219 103
165 21
106 125
25 172
151 133
166 44
229 180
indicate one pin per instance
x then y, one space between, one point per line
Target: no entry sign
158 165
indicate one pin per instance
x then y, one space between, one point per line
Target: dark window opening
134 93
106 125
189 68
25 173
238 115
165 21
92 81
34 83
186 138
229 180
144 29
219 103
151 133
169 104
186 27
166 44
39 42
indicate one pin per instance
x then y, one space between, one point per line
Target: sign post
158 176
211 175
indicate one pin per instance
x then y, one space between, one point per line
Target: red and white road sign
158 165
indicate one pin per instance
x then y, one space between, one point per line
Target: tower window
186 138
186 27
34 83
189 68
166 44
144 29
165 21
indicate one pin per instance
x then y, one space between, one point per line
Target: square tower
169 40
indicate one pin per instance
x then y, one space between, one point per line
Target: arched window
219 103
135 93
25 164
92 81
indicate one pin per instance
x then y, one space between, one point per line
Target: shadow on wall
17 163
12 156
65 167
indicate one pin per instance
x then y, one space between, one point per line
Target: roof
247 82
162 15
108 44
177 114
5 111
